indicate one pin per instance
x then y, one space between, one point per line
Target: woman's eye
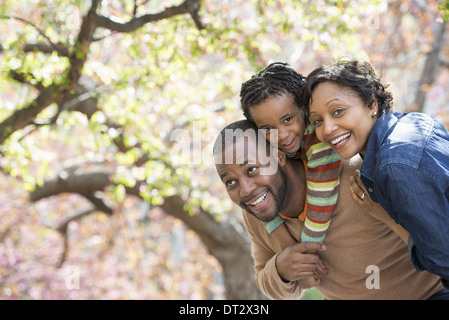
316 122
338 112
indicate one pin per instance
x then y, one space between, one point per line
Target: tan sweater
355 240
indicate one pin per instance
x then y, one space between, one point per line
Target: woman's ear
374 108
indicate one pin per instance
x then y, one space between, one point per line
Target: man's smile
259 204
258 200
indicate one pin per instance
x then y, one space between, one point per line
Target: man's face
262 195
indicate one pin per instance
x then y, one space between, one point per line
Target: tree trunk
227 244
431 67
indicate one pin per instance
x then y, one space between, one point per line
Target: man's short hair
240 130
224 139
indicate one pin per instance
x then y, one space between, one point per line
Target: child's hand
314 280
309 282
301 261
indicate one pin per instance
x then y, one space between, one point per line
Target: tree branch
188 6
62 229
78 55
25 116
54 93
98 203
87 183
42 33
73 182
224 240
46 48
22 78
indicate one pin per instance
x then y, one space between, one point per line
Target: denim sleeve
418 200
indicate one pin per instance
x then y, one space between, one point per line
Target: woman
406 155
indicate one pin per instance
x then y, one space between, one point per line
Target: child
270 99
405 155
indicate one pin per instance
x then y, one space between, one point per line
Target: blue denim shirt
406 170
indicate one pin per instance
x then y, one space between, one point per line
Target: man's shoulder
349 165
257 233
251 223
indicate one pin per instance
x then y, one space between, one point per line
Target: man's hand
301 261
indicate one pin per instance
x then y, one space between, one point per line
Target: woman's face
341 118
283 114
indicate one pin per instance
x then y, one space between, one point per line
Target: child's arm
323 180
374 209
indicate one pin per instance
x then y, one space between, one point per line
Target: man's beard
279 192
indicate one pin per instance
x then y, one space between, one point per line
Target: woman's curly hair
358 76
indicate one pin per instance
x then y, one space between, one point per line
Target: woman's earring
374 113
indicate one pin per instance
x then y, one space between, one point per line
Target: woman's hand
359 193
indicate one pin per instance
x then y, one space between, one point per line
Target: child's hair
358 76
277 78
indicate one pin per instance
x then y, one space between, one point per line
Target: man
362 258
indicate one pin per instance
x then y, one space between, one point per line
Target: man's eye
252 170
230 183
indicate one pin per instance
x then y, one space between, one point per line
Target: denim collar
379 132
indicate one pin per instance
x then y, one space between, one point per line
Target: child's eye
267 130
288 119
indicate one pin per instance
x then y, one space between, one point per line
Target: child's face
341 118
283 114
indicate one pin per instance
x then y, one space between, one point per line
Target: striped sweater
323 182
